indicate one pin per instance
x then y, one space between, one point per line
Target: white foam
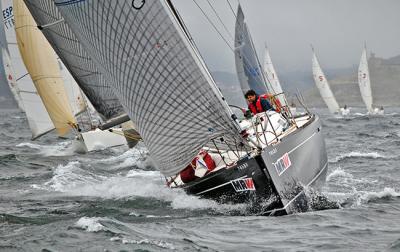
338 173
356 154
90 224
386 193
160 244
60 149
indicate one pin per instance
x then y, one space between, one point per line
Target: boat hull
99 139
280 174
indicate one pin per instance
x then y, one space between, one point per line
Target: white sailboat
364 83
323 86
29 100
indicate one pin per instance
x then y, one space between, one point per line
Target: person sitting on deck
257 103
200 166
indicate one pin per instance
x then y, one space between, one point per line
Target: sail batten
157 74
323 86
364 81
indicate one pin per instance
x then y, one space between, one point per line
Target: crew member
257 103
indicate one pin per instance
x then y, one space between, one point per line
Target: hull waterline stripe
295 148
221 185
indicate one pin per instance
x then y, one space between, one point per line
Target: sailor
257 103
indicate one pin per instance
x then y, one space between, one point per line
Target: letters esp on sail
75 58
157 74
323 86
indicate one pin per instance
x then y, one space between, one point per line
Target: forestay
273 82
42 65
38 119
323 86
364 81
78 62
143 50
247 65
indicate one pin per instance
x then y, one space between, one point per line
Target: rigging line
219 18
226 42
212 24
230 6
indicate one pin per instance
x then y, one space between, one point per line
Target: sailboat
364 83
323 86
168 92
25 93
89 79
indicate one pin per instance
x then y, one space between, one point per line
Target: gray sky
336 28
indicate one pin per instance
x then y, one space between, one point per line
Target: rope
220 20
127 135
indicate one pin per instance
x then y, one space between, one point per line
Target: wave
73 180
356 154
98 224
58 150
386 193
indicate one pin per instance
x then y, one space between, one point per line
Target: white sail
364 81
272 77
38 119
323 86
247 65
161 80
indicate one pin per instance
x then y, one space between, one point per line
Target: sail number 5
138 4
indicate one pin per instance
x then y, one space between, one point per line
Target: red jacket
258 107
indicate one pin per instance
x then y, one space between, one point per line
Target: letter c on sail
138 4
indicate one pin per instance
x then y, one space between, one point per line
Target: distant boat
324 89
364 83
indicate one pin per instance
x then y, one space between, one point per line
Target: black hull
273 186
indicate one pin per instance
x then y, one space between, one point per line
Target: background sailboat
37 116
43 67
364 81
323 86
273 80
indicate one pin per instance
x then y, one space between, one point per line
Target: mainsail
42 65
38 119
364 81
323 86
143 50
75 58
273 80
247 65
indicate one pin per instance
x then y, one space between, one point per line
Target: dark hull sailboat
278 176
157 73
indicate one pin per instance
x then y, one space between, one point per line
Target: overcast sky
336 28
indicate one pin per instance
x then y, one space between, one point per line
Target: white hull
99 139
344 112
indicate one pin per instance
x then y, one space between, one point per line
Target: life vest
275 103
188 174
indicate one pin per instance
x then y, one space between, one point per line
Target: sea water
52 199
